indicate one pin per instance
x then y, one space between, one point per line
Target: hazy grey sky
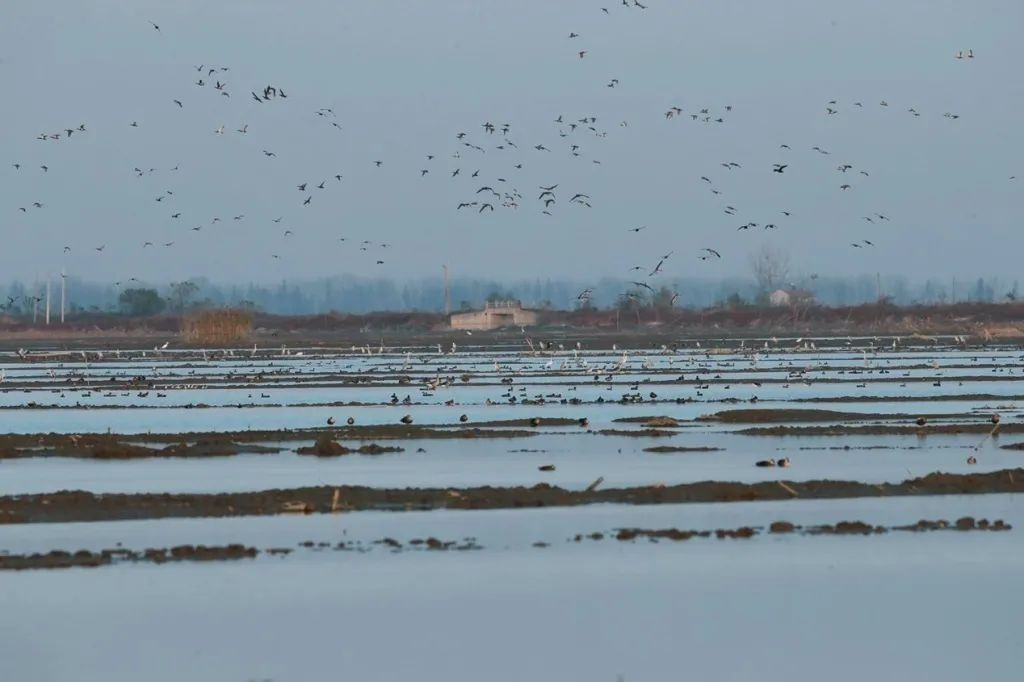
405 77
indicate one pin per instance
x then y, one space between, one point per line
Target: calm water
891 607
899 606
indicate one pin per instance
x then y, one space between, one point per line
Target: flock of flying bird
484 191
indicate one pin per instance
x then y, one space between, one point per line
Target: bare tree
182 293
770 268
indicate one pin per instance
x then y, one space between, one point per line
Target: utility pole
47 300
63 280
35 301
447 292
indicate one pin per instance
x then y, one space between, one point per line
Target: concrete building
788 297
494 316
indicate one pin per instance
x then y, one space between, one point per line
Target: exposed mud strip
66 506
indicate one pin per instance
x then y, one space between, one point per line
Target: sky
405 78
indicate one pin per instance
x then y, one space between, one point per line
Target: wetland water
345 588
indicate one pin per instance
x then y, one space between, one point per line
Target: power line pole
63 280
47 300
447 292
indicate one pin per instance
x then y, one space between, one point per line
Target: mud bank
67 506
222 444
57 559
966 523
326 446
785 416
86 559
980 428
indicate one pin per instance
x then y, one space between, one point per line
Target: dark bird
713 252
485 206
644 285
637 229
157 28
779 167
308 199
657 268
178 102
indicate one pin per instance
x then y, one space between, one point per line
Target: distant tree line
360 295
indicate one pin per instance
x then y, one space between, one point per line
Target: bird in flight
637 229
779 167
155 26
713 252
657 268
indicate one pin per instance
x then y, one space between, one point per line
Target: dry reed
217 327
